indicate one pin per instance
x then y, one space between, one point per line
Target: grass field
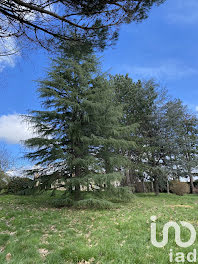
33 232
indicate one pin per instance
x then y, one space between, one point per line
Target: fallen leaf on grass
91 260
44 239
8 257
2 249
43 252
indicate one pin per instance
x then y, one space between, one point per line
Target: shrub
105 199
19 185
120 194
94 204
179 188
114 195
66 202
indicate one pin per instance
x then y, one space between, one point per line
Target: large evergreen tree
79 131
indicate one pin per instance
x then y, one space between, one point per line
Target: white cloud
13 129
8 46
196 108
185 12
22 171
166 70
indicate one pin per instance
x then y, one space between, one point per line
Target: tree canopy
97 21
80 138
98 128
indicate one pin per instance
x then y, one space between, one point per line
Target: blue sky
163 47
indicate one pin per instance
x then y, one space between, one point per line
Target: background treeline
98 131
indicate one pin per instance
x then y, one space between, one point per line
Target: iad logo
177 234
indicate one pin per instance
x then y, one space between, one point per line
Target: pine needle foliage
79 132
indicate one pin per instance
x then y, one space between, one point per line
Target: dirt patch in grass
43 252
180 205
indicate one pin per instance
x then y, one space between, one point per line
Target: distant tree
188 146
19 185
151 136
170 140
96 20
5 163
139 105
4 180
5 158
165 134
79 131
180 141
172 112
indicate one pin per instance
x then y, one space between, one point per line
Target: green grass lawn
33 232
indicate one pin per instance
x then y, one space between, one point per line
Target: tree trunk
70 189
152 187
53 192
156 186
108 169
192 188
168 187
77 184
87 186
143 185
132 177
128 182
77 187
